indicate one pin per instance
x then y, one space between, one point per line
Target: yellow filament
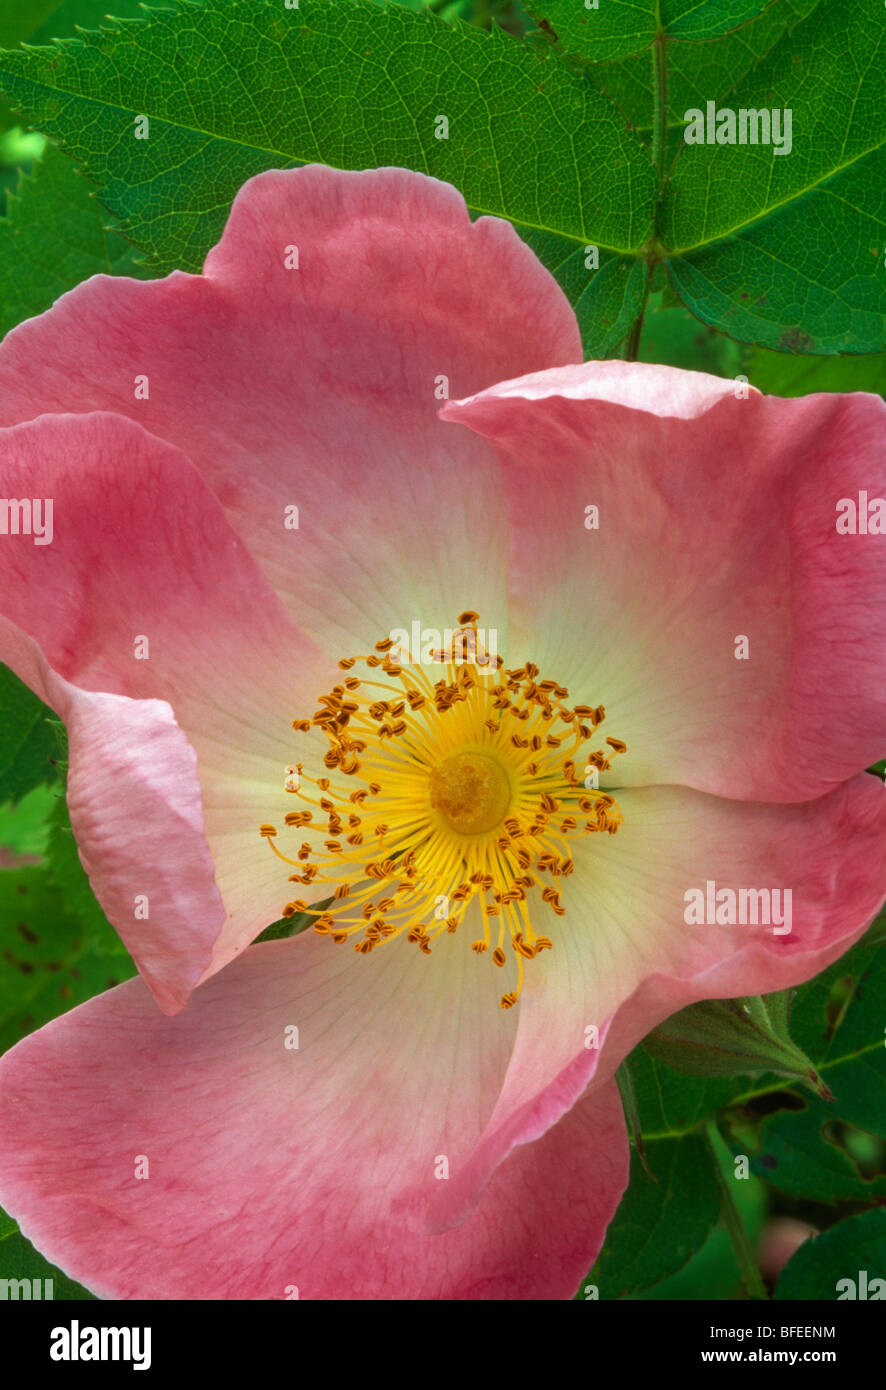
434 793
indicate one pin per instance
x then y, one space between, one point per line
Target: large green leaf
787 251
349 84
606 300
672 1200
712 1271
781 251
661 1221
844 1252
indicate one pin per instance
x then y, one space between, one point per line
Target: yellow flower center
471 791
445 791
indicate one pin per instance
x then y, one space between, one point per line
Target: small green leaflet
807 1150
52 237
27 741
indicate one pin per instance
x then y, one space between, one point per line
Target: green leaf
19 1260
696 72
807 1151
49 961
728 1037
672 1104
779 374
712 1271
345 83
837 1017
27 742
784 251
606 301
67 877
70 15
708 19
617 28
842 1253
19 18
52 237
659 1224
23 827
675 337
290 926
788 251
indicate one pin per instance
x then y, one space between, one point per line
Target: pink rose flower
264 480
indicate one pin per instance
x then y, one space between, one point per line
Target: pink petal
272 1167
717 520
315 386
186 746
624 958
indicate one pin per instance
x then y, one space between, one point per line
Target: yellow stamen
468 796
